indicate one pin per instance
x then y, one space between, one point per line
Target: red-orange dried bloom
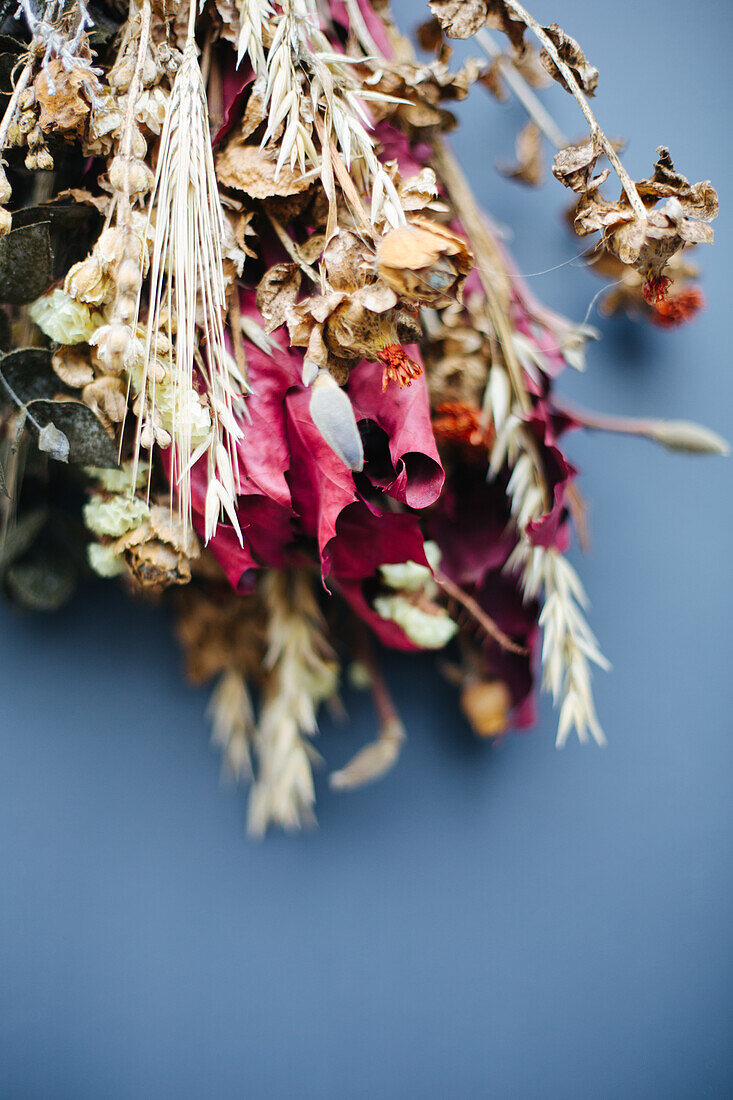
459 422
678 308
655 288
398 367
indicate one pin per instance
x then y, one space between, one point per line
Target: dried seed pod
72 365
35 139
424 262
26 121
348 264
129 276
131 177
363 324
121 75
487 705
112 342
87 282
6 221
44 161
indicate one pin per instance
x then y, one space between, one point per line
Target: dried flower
398 367
273 470
424 262
64 319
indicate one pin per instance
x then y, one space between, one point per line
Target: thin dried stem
575 90
490 267
532 104
21 85
487 624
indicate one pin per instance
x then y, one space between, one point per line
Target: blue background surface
505 921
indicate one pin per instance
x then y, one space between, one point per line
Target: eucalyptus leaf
29 374
41 585
54 443
21 535
72 229
89 444
25 263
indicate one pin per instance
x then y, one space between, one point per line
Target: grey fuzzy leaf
25 263
333 415
29 374
89 443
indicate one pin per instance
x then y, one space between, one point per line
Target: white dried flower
63 319
114 515
119 480
426 629
104 561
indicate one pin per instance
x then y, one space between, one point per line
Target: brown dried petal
348 264
460 18
255 113
575 164
72 366
63 109
430 36
423 261
277 293
699 200
529 167
491 78
252 170
570 52
169 528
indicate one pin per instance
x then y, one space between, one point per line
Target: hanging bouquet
263 356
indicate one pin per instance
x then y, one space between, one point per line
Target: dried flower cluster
263 356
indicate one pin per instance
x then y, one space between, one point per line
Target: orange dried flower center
398 367
678 308
655 289
460 422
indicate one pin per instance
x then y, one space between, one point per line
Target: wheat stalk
301 674
187 288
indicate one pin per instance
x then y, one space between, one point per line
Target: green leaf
43 584
89 444
25 263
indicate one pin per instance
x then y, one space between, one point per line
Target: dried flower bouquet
261 350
